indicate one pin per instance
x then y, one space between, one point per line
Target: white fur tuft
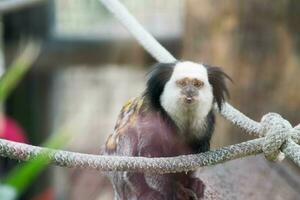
192 117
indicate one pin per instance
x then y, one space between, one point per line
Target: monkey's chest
191 128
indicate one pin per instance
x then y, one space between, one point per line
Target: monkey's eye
181 83
197 83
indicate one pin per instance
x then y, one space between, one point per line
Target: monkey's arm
130 139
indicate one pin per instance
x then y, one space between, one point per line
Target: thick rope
145 39
121 163
278 132
240 120
26 152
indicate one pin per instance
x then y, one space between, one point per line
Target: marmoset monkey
174 116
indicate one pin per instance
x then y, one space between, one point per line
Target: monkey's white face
187 97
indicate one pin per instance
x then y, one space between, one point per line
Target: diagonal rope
162 55
242 121
143 37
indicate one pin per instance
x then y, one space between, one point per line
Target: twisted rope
289 147
120 163
279 137
137 30
240 120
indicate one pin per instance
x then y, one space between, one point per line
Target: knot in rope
277 132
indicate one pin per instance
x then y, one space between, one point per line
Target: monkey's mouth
187 100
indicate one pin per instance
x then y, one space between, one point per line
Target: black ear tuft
157 78
216 78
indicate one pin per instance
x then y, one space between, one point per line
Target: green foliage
22 176
17 70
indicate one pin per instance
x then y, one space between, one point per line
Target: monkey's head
180 86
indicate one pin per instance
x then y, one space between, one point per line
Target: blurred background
89 65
